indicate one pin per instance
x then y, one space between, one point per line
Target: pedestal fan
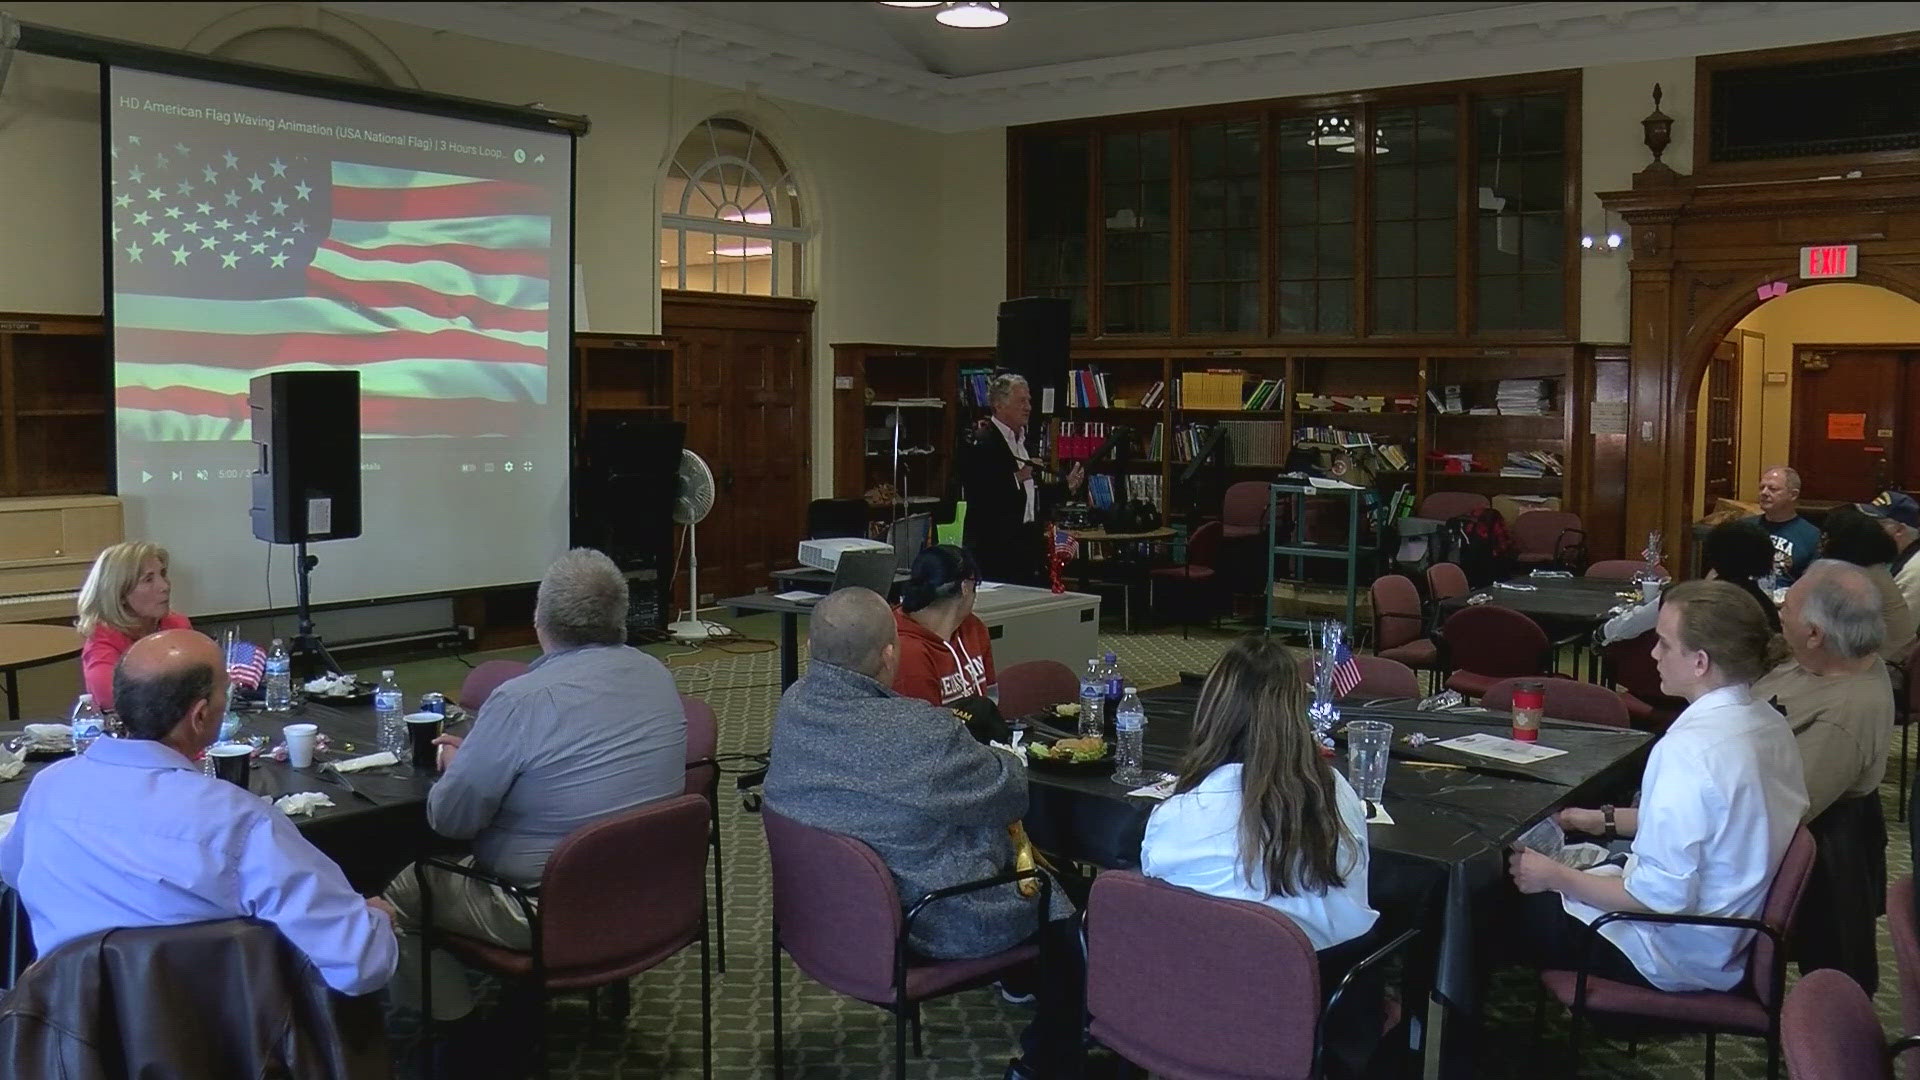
689 509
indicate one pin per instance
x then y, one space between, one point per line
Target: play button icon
145 476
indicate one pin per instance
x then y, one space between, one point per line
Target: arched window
730 215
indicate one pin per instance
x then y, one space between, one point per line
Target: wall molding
1494 41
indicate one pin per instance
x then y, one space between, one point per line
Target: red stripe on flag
395 294
485 198
378 415
247 351
474 260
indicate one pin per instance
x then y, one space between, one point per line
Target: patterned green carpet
973 1034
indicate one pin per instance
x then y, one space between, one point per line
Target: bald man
1795 539
131 833
906 778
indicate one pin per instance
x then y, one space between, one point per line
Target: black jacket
206 1001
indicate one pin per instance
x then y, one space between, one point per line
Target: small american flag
1064 543
1346 670
246 664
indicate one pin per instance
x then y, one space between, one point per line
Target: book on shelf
1393 456
1155 394
974 384
1450 463
1145 487
1265 394
1331 436
1189 440
1087 389
1212 390
1257 442
1524 397
1536 464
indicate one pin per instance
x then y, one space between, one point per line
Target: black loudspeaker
1033 340
624 488
307 426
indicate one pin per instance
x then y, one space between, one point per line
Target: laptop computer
867 569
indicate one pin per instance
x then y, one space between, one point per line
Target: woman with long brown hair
1258 813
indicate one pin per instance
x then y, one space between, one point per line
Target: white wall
1613 99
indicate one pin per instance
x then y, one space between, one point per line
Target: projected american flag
230 261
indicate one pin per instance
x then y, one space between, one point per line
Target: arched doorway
1702 255
732 294
1825 378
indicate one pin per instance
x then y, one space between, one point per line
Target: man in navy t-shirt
1795 539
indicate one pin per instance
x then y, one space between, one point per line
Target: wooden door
1721 402
743 391
1848 422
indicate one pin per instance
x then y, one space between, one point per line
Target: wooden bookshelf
868 380
56 405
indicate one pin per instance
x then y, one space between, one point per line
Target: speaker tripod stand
309 653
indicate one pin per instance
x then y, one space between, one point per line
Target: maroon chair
1624 569
1629 666
1445 581
1548 537
1566 700
1398 624
1485 643
1197 582
1243 512
618 897
1445 505
1191 986
1379 677
485 678
1901 926
1751 1008
1828 1031
1027 688
837 914
703 779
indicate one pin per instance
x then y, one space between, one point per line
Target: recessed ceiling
1041 34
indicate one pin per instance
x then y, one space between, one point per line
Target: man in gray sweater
593 728
907 779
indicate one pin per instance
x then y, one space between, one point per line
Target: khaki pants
460 905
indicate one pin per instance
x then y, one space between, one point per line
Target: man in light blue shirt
131 834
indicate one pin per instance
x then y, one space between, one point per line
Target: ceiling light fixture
909 3
1335 131
1353 147
972 15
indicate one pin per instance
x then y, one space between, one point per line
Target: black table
1441 865
373 835
1564 607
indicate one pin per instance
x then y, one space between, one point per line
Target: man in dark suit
1000 478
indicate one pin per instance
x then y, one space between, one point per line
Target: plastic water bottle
1093 701
1130 735
1110 669
389 713
278 681
88 723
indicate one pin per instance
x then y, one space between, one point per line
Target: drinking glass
1369 748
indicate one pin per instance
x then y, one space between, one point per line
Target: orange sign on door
1851 426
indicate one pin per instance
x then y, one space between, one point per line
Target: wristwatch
1606 815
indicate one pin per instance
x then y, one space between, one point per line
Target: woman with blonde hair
1258 813
126 597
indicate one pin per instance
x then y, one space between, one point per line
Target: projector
825 554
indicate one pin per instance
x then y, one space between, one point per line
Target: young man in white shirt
1721 797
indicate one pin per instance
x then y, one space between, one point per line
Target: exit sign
1829 261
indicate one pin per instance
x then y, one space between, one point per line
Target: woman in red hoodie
944 652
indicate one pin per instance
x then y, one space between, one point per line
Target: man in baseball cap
1899 514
